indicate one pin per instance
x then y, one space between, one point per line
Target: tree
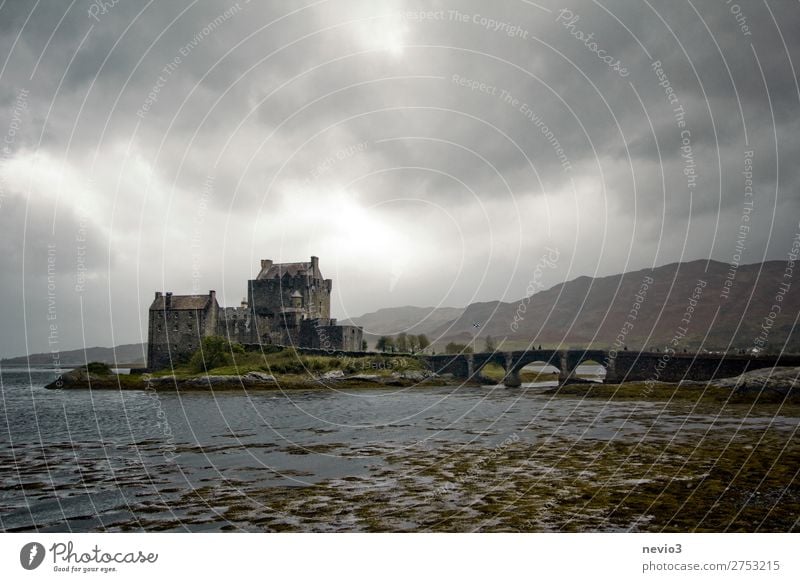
413 344
423 342
489 345
364 345
385 344
454 348
401 342
214 352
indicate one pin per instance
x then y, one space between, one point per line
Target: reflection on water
85 460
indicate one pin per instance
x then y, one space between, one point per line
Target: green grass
290 368
288 362
534 376
493 372
666 391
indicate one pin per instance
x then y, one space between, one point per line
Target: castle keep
287 304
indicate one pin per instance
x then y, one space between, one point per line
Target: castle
287 304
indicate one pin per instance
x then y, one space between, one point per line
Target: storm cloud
427 152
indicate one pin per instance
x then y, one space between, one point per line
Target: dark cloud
354 131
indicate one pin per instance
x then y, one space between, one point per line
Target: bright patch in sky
386 33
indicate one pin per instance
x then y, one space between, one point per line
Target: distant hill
412 320
127 354
588 311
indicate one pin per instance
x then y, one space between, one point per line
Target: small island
222 365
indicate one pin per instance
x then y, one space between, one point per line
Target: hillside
587 311
127 354
412 320
584 312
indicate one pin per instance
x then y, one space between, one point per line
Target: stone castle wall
272 296
173 336
324 334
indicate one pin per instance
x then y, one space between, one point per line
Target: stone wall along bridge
625 366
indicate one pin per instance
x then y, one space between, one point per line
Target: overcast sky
427 159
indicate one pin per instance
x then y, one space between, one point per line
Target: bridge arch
576 358
620 366
600 372
538 371
485 366
517 361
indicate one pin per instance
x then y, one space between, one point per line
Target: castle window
175 328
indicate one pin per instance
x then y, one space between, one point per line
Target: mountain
640 309
680 298
127 354
412 320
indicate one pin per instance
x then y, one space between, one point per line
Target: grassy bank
284 369
289 362
687 391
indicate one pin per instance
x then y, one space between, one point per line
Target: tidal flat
706 484
447 458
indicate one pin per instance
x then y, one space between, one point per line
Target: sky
430 153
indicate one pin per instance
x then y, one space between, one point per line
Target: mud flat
450 459
708 483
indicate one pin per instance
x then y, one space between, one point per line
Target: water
84 461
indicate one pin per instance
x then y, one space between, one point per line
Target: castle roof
278 270
181 302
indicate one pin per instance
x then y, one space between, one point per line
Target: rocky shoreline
778 385
80 378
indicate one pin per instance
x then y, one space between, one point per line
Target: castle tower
297 299
273 289
177 325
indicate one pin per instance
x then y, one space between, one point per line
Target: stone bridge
624 366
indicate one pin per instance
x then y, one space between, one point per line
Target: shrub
271 349
285 367
99 368
214 352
